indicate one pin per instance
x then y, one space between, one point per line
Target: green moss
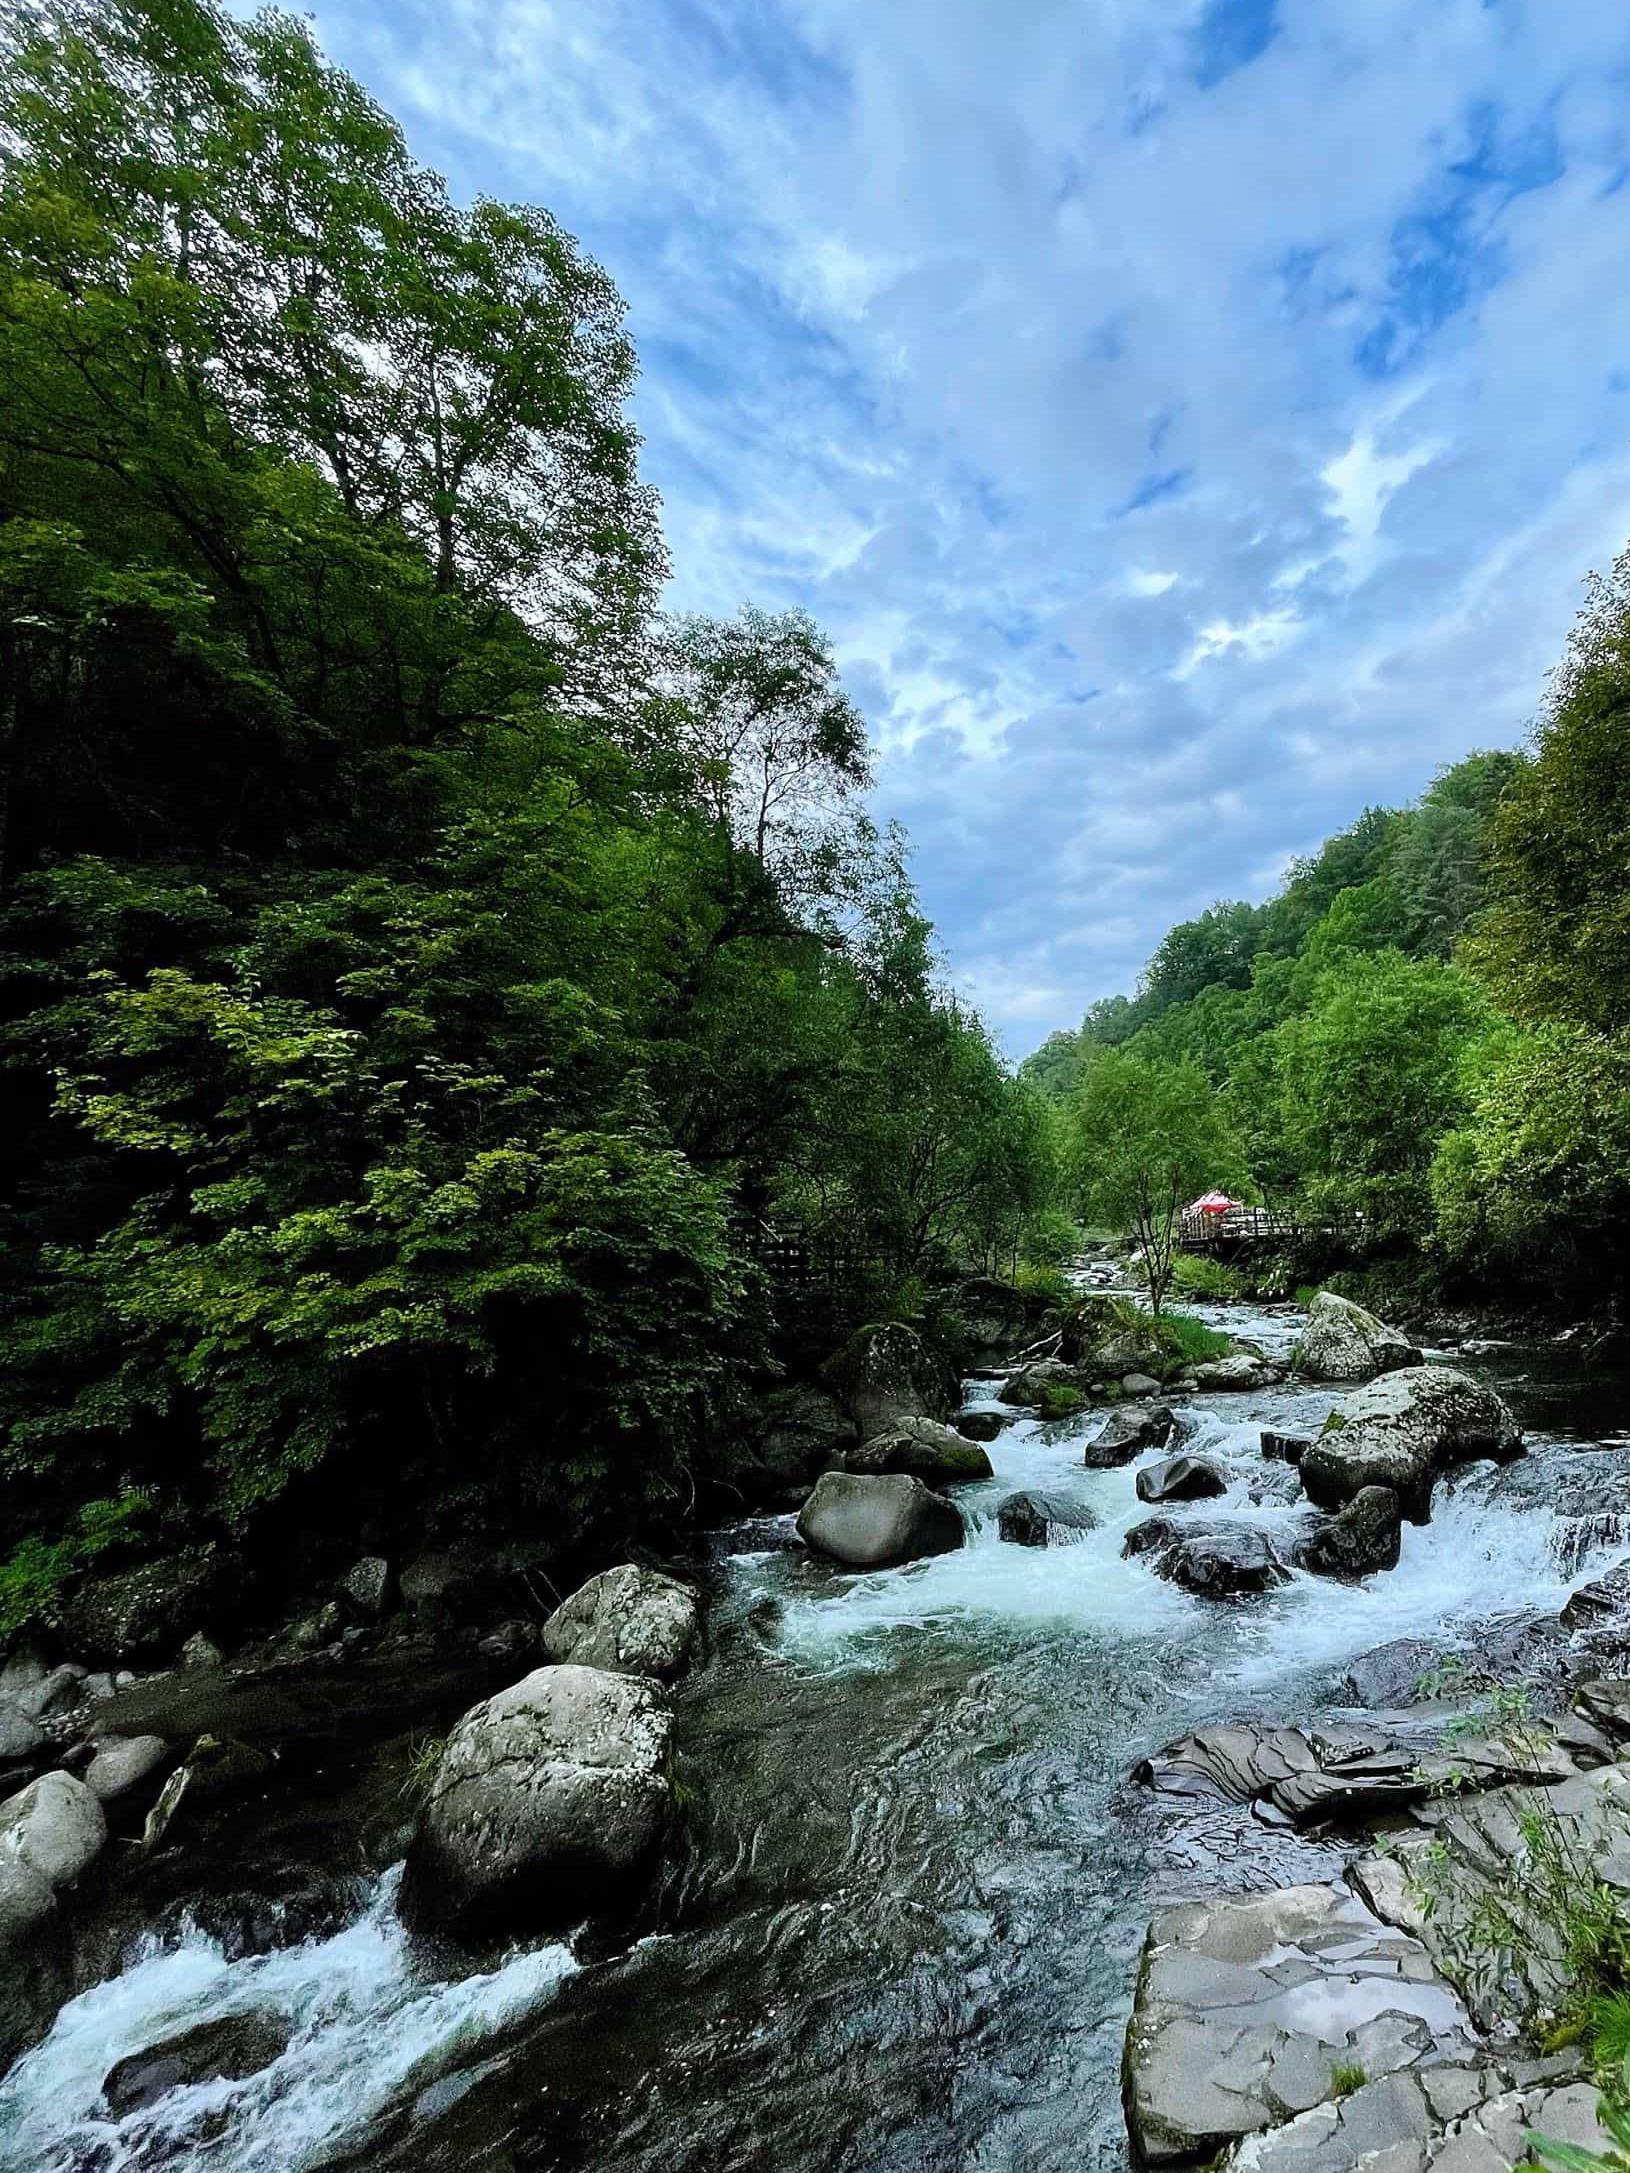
1056 1399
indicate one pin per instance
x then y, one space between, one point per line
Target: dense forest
428 969
1423 1042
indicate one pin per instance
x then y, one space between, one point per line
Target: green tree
1147 1137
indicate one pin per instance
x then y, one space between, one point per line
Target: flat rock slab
1449 2119
1247 2011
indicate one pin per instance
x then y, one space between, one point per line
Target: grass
1346 2077
1196 1277
423 1759
1191 1340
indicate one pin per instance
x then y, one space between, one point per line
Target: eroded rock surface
1031 1519
632 1620
1126 1434
1401 1431
1345 1342
873 1522
922 1446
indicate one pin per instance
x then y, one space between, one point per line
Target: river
903 1932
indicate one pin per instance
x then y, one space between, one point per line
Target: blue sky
1191 419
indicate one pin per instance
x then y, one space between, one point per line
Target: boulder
935 1453
1343 1342
1043 1520
1181 1478
1390 1676
122 1763
1401 1431
982 1425
631 1620
1032 1384
1241 1371
549 1802
886 1373
1361 1539
1110 1336
806 1431
1284 1448
141 1613
54 1827
1605 1600
222 2050
1127 1433
21 1737
994 1319
201 1652
1235 1563
56 1692
872 1522
368 1588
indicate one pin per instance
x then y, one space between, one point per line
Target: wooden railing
1237 1226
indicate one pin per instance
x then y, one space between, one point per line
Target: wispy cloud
1191 421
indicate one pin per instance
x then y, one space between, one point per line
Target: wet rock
1359 1540
631 1620
1140 1384
871 1522
1109 1336
1247 2009
982 1425
1239 1373
57 1691
1344 1342
1127 1433
21 1737
550 1800
1181 1478
200 1652
215 1766
1284 1448
932 1452
1605 1600
1233 1564
1401 1431
222 2050
806 1431
1031 1385
1390 1675
142 1613
54 1827
1606 1701
368 1588
1043 1520
23 1669
886 1373
994 1319
122 1763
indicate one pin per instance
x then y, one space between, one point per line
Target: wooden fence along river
1238 1229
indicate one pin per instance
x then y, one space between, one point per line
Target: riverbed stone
122 1763
1604 1600
1358 1541
937 1454
873 1521
145 1612
368 1588
21 1736
55 1827
1248 2008
983 1425
1237 1563
549 1802
805 1432
1031 1386
632 1620
58 1691
1342 1341
1401 1431
993 1319
1241 1372
1127 1433
1181 1478
224 2049
1392 1675
1032 1519
1284 1448
885 1373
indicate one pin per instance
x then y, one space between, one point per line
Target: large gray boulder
143 1613
1401 1431
122 1763
922 1446
54 1827
549 1802
871 1521
1343 1342
995 1320
886 1373
1222 1564
21 1736
1181 1478
1359 1540
1033 1385
806 1431
224 2049
631 1620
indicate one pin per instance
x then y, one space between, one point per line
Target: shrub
1194 1276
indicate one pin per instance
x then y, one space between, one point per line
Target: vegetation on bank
426 972
1424 1041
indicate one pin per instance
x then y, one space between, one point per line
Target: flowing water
903 1931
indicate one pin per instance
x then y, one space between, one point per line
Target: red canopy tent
1212 1203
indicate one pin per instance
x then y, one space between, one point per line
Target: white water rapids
373 2022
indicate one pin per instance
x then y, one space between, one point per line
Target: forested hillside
1424 1039
426 967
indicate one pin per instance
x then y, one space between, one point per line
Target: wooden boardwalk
1239 1229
